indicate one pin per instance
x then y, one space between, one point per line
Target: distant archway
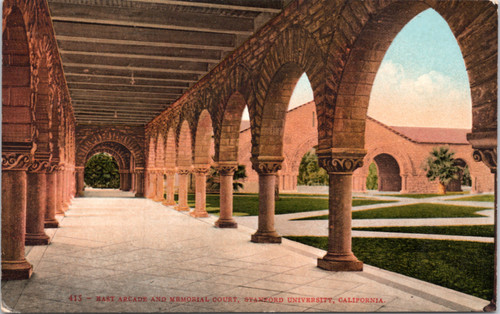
101 171
389 176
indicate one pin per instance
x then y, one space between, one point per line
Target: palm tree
441 165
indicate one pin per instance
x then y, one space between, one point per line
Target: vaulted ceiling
125 61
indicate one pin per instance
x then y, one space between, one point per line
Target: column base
158 200
265 238
199 214
79 194
226 224
340 265
139 194
492 307
36 239
182 209
167 203
16 270
51 224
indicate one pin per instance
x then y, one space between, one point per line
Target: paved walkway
135 255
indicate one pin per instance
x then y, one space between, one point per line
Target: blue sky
422 80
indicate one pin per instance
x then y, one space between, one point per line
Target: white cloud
431 99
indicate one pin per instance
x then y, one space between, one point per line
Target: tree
213 178
101 171
310 172
441 165
372 178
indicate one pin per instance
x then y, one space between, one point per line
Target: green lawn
425 195
476 198
464 266
248 204
474 231
424 210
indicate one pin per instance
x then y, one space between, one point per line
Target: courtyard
117 253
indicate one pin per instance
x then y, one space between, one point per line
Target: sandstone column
36 204
266 167
200 172
183 190
50 211
139 182
126 181
14 199
485 150
132 177
170 188
340 164
66 189
226 172
159 186
59 191
80 181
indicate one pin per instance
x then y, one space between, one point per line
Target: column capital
227 168
201 169
267 164
488 156
39 166
53 167
183 171
341 160
170 172
485 148
15 161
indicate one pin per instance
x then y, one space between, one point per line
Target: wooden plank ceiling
125 61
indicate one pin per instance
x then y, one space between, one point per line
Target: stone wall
382 143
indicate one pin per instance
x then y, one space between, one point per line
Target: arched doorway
388 173
464 178
102 172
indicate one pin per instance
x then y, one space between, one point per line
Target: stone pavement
126 250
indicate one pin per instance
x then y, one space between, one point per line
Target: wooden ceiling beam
126 88
83 60
155 17
143 36
105 93
93 80
103 101
87 66
129 74
273 6
139 52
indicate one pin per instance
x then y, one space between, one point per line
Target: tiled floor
131 250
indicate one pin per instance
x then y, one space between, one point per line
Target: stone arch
389 175
151 161
404 161
455 185
121 154
184 146
227 149
359 45
43 107
18 84
203 140
170 150
112 153
88 142
293 53
296 156
160 151
237 92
